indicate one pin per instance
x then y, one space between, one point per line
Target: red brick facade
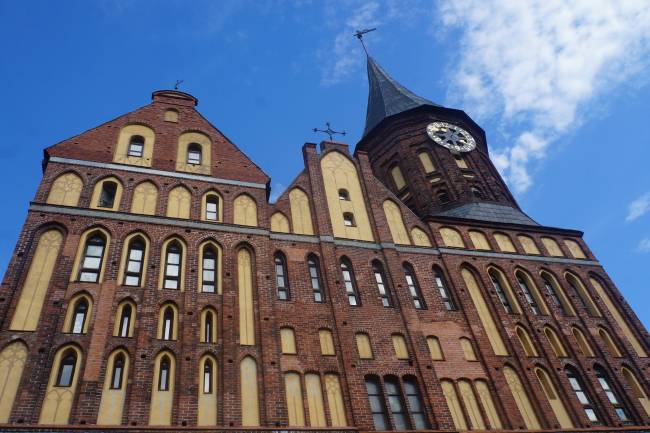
90 156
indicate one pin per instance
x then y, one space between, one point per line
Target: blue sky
559 86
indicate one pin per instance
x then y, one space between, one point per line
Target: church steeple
387 97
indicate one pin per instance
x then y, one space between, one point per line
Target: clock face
451 136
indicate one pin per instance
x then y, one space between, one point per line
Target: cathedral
154 287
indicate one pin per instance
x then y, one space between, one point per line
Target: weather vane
178 83
329 131
359 35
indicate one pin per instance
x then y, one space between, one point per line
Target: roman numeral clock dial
451 136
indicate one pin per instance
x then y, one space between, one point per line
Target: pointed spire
387 97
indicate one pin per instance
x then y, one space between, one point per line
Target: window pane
132 280
134 267
88 277
91 263
171 284
173 258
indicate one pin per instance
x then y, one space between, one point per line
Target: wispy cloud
638 207
644 245
538 64
276 191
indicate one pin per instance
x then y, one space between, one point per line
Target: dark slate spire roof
387 97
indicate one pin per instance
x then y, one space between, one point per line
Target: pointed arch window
208 327
281 277
92 260
107 196
125 320
118 372
528 295
447 300
207 376
316 282
163 375
168 324
380 280
553 293
212 208
194 154
173 263
578 388
133 272
414 287
66 369
209 266
501 293
377 403
80 315
136 146
604 381
349 282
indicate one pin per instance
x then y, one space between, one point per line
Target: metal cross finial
329 131
178 83
359 35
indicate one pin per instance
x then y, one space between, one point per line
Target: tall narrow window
107 196
118 372
209 264
173 265
501 293
314 276
528 295
212 208
444 292
207 327
603 380
66 369
207 376
194 154
552 291
583 295
125 320
583 398
92 259
133 271
136 145
415 403
80 313
380 280
396 404
414 287
163 375
377 403
349 282
281 282
168 324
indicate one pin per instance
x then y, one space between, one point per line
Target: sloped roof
489 212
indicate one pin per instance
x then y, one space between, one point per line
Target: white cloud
537 65
639 207
644 245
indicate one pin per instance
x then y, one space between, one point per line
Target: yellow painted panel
435 350
315 401
521 399
453 403
335 400
207 415
145 197
637 389
583 344
184 142
460 161
553 399
468 349
160 411
504 243
396 223
97 193
279 223
250 410
473 411
479 240
111 405
555 342
293 393
300 212
65 190
363 346
609 342
488 404
420 238
604 296
575 249
426 162
526 342
171 115
245 289
484 314
12 363
451 237
245 211
552 247
398 177
530 247
179 202
57 403
288 341
32 295
399 344
326 342
122 149
340 173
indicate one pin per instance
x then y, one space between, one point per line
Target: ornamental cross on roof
329 131
359 35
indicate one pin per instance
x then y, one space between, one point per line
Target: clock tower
434 158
